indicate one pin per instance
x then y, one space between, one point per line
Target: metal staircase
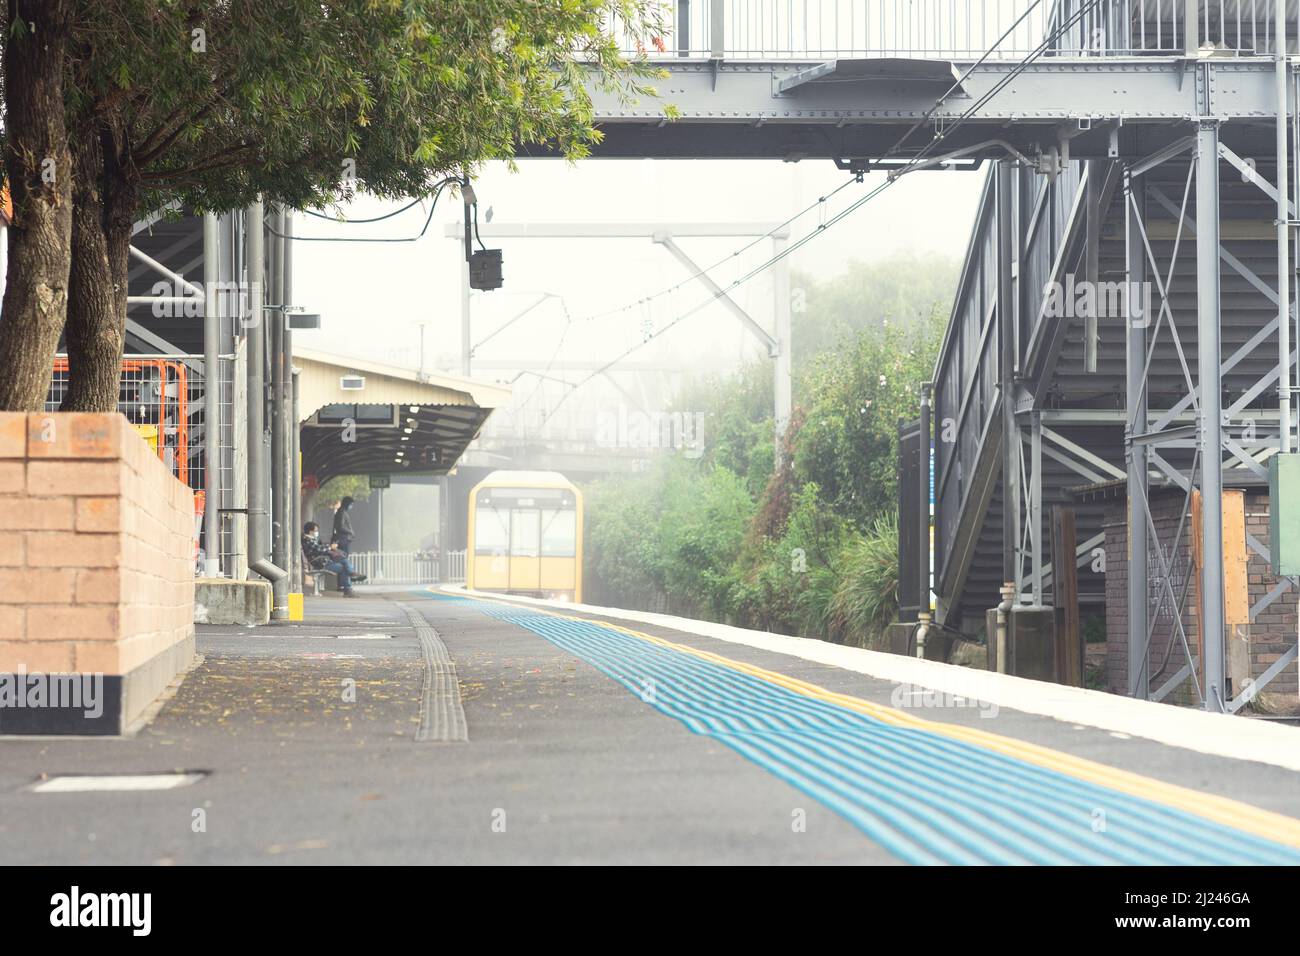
1127 227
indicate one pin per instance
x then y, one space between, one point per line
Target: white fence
396 567
956 29
406 567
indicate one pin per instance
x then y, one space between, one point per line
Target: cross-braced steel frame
1160 573
1181 448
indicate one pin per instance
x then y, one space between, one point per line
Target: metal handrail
945 29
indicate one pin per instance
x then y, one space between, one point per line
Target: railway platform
441 727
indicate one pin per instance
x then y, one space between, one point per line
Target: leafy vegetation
116 108
808 545
356 487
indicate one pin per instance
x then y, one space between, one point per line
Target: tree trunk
39 168
104 207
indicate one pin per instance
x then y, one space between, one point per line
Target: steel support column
295 467
293 490
1210 423
1093 215
1006 375
280 384
259 472
923 498
1135 423
211 401
1035 505
255 347
444 532
1283 238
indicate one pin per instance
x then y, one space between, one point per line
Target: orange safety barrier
154 396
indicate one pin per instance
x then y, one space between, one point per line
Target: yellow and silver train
525 535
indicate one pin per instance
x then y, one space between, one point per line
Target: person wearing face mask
321 557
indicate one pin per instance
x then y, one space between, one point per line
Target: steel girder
1110 107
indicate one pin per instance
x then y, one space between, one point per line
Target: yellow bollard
295 607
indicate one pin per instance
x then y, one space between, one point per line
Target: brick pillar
96 574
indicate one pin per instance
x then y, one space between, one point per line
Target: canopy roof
361 417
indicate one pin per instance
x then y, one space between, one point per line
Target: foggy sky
372 296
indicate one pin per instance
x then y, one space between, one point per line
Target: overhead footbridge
844 80
1134 145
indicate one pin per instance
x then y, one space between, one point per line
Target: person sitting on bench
321 557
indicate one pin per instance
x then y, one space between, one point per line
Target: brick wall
1272 631
96 563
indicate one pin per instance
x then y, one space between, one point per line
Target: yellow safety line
1224 810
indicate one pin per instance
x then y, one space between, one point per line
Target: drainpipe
259 479
922 632
1004 614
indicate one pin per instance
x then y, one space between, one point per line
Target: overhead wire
437 193
895 175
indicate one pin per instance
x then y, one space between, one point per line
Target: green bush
809 547
865 599
667 539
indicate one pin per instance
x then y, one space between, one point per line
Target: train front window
559 533
492 531
525 530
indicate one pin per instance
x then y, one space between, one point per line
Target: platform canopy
361 417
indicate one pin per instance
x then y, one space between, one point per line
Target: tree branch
174 124
220 160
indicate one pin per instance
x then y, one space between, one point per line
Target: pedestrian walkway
410 726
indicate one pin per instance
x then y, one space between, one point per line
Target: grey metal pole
211 401
1283 235
294 490
1210 425
1093 215
781 361
444 529
1036 505
259 479
465 341
1290 377
295 459
1135 425
923 515
255 343
279 395
1006 373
